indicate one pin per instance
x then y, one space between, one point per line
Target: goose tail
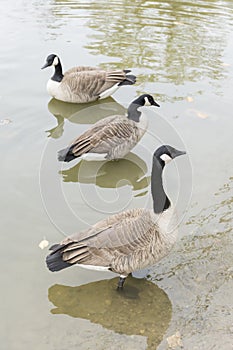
66 155
130 79
54 260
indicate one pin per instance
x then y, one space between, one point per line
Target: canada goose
111 137
84 84
128 241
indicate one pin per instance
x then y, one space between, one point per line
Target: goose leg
121 282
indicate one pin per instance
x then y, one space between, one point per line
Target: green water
181 52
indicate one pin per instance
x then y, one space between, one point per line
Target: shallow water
181 52
145 306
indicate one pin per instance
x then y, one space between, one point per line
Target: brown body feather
113 136
86 84
122 243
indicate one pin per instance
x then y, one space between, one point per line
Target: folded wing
118 236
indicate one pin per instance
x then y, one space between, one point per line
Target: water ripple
177 41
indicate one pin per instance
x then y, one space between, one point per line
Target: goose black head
134 112
166 153
51 60
146 99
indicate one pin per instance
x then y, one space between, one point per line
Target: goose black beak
156 104
45 65
177 153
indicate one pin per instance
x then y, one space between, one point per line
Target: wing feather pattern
105 136
88 81
111 243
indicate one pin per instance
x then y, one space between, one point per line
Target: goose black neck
58 76
160 199
133 112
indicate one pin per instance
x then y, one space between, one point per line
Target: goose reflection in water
90 113
141 309
130 171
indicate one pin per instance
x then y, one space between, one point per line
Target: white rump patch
165 157
55 61
94 156
109 92
93 267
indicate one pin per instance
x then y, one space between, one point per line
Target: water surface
181 52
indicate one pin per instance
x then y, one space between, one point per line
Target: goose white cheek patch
165 157
147 103
55 61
